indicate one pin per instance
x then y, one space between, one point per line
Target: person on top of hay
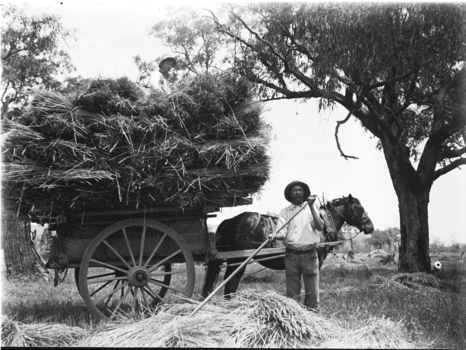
300 237
159 80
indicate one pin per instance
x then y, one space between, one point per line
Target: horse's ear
350 199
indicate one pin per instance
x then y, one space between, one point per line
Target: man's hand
274 236
311 200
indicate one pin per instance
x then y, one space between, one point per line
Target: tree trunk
16 243
414 233
413 199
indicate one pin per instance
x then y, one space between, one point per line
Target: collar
293 207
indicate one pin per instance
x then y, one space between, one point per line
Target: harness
333 228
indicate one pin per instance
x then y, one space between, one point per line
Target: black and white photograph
233 174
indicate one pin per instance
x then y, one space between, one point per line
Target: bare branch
336 135
453 153
391 81
446 169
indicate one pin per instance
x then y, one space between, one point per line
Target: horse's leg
233 284
213 270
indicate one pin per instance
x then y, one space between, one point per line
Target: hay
249 319
19 334
404 281
376 333
111 147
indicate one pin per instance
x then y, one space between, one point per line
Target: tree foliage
388 237
32 53
397 68
190 35
387 64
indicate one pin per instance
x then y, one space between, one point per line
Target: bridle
354 221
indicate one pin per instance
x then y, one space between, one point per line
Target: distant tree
397 68
388 237
32 54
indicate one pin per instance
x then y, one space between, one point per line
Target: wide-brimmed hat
170 57
307 191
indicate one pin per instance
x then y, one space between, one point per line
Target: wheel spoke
153 294
113 291
146 303
110 296
143 238
163 260
135 298
114 278
158 283
120 302
116 253
108 265
176 272
100 288
155 250
129 247
101 275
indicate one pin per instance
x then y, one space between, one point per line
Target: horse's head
353 213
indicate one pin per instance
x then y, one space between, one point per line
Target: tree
190 35
397 68
388 237
32 54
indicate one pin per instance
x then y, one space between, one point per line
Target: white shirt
158 81
300 231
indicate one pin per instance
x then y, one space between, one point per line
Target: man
300 237
159 80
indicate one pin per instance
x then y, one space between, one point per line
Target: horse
249 230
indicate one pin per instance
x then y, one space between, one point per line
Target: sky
303 147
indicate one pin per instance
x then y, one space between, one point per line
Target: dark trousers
305 265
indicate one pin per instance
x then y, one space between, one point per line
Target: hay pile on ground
19 334
250 319
111 147
375 333
413 281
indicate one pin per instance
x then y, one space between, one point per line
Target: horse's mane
343 200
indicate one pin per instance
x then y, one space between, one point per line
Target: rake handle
245 262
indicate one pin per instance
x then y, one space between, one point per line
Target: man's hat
168 56
307 191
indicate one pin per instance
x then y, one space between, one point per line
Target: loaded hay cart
127 261
88 163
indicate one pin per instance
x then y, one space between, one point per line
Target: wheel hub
138 276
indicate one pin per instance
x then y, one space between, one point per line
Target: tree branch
391 81
339 122
446 169
452 153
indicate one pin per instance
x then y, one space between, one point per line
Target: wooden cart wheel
132 266
163 290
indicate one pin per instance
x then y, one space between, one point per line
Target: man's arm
282 234
318 223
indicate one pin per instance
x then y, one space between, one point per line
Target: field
352 296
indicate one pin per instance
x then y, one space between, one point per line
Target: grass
431 317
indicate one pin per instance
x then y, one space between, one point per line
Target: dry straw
17 334
113 147
249 319
412 281
375 333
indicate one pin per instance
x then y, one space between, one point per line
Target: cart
127 261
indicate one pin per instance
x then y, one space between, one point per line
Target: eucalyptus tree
397 68
189 34
32 54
